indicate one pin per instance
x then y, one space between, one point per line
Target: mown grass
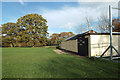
44 63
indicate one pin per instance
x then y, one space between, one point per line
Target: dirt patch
65 52
59 51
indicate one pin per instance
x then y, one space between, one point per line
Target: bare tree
103 24
89 22
85 26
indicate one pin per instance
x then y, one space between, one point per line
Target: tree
116 24
83 27
89 22
65 35
32 30
103 24
9 33
55 38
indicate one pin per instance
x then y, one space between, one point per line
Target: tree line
30 30
55 39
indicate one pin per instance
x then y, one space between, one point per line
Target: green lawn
44 63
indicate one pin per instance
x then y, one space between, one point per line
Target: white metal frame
111 47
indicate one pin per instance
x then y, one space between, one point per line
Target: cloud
69 25
69 16
21 2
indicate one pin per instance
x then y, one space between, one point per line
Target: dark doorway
83 46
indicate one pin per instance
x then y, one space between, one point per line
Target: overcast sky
61 16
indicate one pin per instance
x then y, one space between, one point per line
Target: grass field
44 63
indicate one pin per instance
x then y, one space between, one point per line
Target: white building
91 44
